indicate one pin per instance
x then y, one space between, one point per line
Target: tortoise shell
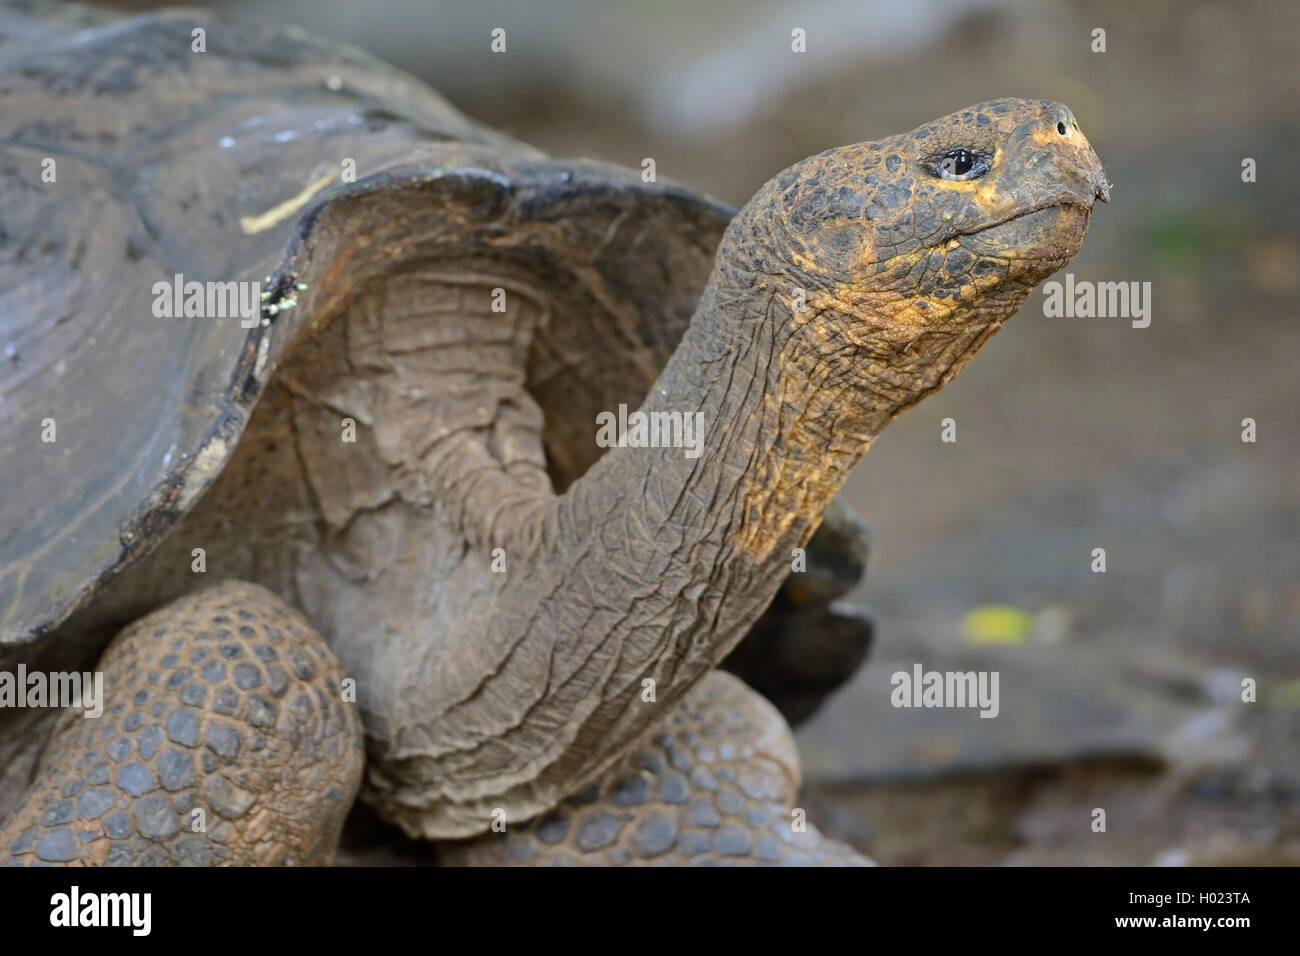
139 163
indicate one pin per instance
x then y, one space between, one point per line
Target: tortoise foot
223 740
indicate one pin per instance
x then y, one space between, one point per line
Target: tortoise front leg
224 739
713 785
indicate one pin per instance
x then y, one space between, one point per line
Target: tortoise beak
1089 165
1101 188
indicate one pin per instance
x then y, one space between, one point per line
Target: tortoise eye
960 164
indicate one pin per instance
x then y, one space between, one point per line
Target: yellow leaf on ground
997 624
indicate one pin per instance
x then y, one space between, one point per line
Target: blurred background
1120 690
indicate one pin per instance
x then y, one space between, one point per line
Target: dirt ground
1120 691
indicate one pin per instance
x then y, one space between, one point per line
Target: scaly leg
713 785
224 739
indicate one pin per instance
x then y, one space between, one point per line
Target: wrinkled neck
654 564
793 380
781 429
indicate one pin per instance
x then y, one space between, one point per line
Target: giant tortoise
378 437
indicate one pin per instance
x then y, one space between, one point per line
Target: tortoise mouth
1052 233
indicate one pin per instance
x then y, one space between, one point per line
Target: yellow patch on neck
822 427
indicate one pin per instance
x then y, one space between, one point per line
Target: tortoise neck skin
850 287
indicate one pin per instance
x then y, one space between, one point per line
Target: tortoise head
889 249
